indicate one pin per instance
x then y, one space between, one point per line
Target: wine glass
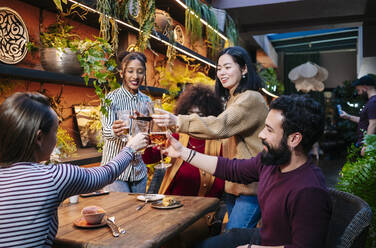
158 136
124 115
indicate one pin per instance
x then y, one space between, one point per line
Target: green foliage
193 24
146 17
97 59
272 84
65 143
358 177
213 39
143 11
191 73
197 10
58 35
231 31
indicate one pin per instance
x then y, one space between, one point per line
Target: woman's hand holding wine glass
121 126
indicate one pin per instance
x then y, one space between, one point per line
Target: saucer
81 222
150 197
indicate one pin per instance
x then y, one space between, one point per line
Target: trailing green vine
146 18
231 31
97 59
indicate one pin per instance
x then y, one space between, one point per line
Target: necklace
195 147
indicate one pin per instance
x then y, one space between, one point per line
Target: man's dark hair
301 114
251 81
200 96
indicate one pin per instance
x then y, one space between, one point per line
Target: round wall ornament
13 36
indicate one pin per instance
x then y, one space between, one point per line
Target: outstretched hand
139 141
174 148
164 118
343 115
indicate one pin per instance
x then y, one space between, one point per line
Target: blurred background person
365 86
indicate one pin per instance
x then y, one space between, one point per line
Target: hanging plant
143 11
193 24
98 61
146 18
231 31
212 37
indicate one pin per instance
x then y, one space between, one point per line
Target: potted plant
56 53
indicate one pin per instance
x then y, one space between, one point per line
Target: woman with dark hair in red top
182 178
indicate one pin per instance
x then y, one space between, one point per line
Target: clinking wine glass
158 136
124 115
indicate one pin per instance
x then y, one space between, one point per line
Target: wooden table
148 227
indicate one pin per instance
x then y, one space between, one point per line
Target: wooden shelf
60 78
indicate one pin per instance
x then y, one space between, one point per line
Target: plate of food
150 197
167 203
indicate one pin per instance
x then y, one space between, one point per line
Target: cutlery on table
112 219
139 207
113 227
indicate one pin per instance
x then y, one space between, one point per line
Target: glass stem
161 158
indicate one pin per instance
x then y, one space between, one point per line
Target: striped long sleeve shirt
122 99
30 194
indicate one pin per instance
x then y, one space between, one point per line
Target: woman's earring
243 76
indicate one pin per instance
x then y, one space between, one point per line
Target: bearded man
365 86
295 204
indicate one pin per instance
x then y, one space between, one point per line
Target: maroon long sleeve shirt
295 206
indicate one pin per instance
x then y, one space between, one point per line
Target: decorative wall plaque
13 36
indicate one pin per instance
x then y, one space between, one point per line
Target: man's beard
276 156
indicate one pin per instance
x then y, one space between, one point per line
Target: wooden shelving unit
60 78
158 41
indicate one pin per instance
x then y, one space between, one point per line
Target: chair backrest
350 220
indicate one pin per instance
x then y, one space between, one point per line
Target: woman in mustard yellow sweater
238 126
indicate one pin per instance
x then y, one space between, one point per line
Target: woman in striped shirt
30 192
127 97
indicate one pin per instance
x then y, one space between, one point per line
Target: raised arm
72 180
237 170
248 110
349 117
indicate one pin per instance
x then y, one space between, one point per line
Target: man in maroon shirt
366 86
295 204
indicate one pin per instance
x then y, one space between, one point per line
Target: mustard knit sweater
238 126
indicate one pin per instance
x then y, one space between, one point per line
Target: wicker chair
350 220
